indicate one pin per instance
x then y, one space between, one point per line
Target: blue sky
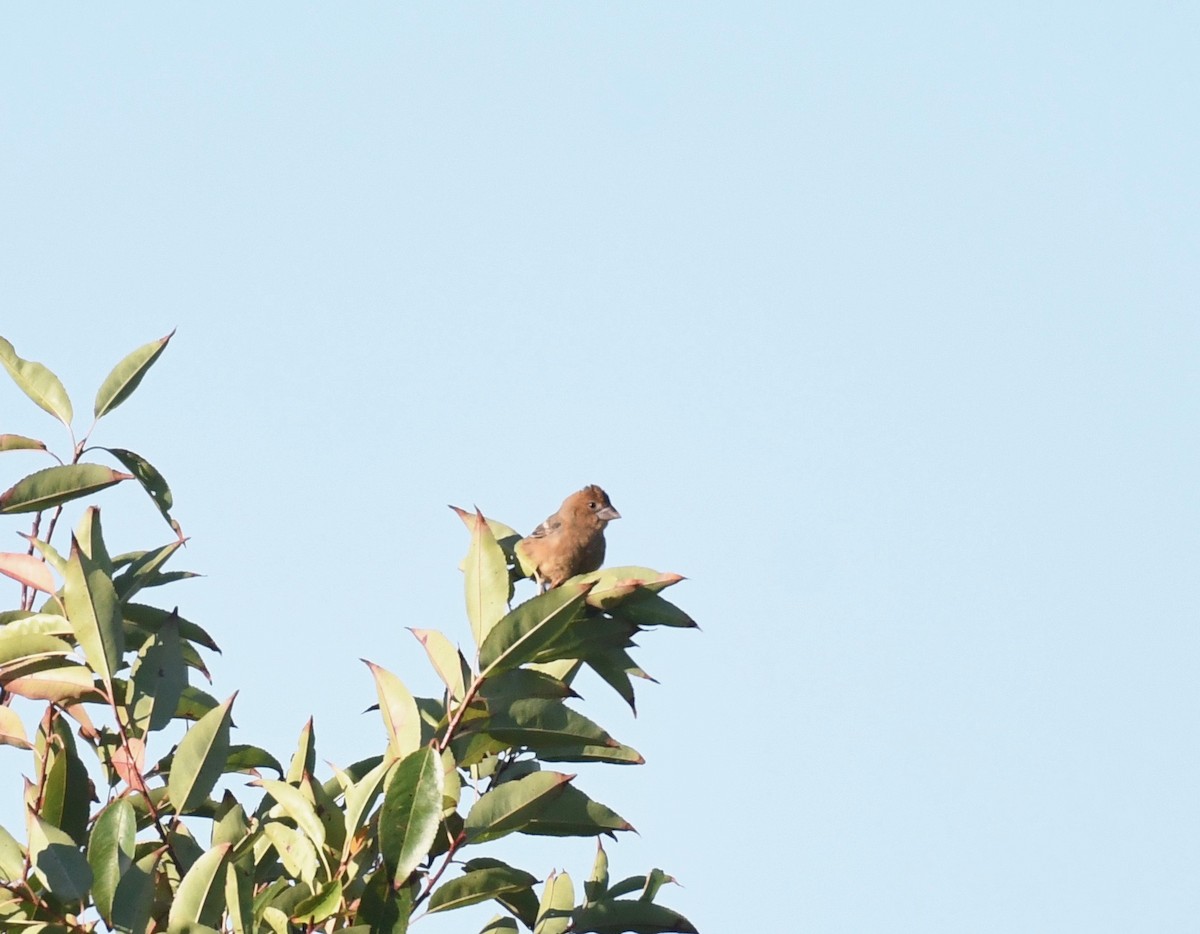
877 323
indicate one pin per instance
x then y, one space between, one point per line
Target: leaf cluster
129 824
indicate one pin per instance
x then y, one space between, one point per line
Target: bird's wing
549 527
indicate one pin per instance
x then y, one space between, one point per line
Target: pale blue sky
879 323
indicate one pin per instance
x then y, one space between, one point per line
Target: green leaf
127 374
246 758
479 885
399 711
643 607
20 443
57 861
60 684
615 917
66 788
110 853
295 849
411 812
12 730
360 798
574 814
48 553
531 628
37 382
487 583
151 618
159 677
614 584
133 902
512 805
320 905
152 482
552 729
558 898
18 646
143 571
385 908
12 858
57 485
293 804
654 881
200 895
92 608
447 661
502 689
304 760
596 886
200 759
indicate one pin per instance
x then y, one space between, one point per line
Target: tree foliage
117 815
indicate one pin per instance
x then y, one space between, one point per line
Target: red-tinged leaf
57 485
27 570
127 374
62 684
20 443
447 661
37 382
400 715
614 584
129 761
558 898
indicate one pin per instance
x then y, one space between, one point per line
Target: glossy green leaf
200 759
133 902
654 881
57 485
617 917
551 728
49 554
66 788
12 857
612 585
643 607
486 580
20 443
500 925
384 907
399 712
92 609
502 689
38 383
110 853
144 570
511 806
194 704
360 798
246 758
447 661
199 897
57 861
411 812
151 618
554 912
531 628
479 885
574 814
126 375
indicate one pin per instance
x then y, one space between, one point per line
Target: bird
569 542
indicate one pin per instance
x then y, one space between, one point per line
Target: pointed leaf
20 443
531 628
360 798
92 609
27 570
199 897
127 374
574 814
49 554
320 905
596 886
558 898
110 853
57 861
152 482
17 646
143 571
12 730
487 583
134 898
550 727
479 885
199 759
643 607
399 710
159 677
304 760
297 807
510 806
499 925
57 485
37 382
411 812
61 684
447 660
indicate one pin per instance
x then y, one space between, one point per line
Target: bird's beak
608 514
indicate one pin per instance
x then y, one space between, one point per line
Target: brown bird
571 541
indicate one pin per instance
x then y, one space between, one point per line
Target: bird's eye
591 505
